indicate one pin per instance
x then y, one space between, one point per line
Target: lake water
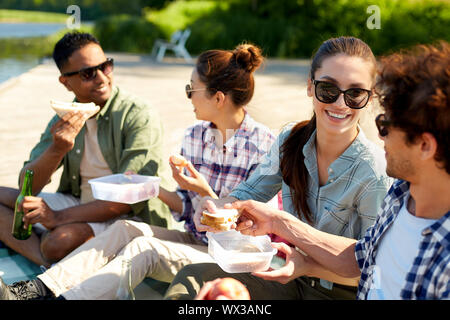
20 30
12 67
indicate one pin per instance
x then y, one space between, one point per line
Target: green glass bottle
18 230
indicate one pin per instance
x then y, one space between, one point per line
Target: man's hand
65 130
256 217
206 204
36 210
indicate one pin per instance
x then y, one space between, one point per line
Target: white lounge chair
176 44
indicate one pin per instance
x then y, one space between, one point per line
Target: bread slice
178 160
222 220
61 108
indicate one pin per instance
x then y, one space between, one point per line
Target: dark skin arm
64 132
36 210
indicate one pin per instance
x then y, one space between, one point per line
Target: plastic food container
236 253
125 188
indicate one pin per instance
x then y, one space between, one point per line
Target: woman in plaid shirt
222 151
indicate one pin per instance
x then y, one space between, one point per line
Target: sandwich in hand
178 160
222 220
61 108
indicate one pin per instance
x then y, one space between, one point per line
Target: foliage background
283 28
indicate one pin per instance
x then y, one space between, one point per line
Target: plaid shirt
429 277
224 166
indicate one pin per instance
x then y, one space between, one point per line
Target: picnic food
125 188
61 108
237 253
222 220
230 288
178 160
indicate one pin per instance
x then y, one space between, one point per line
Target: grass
32 16
33 46
179 15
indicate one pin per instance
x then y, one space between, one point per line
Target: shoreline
5 84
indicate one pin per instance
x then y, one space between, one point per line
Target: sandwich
61 108
178 160
222 220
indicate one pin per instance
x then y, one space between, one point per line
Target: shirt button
78 151
331 180
106 118
74 178
330 170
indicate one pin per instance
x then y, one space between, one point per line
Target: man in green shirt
125 135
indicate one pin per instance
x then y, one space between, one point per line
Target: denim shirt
348 202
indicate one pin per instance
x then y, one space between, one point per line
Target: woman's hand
206 204
296 265
195 182
209 204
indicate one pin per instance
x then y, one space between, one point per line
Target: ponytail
293 168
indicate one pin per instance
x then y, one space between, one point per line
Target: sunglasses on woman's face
189 90
382 124
88 74
327 92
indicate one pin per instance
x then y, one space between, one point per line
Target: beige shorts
60 201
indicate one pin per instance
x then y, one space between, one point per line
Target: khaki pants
190 279
93 270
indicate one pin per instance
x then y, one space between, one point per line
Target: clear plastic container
125 188
237 253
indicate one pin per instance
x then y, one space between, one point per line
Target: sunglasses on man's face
382 124
88 74
327 92
189 90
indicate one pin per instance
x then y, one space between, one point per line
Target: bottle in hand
18 231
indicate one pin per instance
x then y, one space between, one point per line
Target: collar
106 107
440 229
344 161
212 134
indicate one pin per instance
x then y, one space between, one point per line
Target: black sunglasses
327 92
88 74
382 124
189 90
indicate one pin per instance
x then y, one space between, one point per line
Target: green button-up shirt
130 137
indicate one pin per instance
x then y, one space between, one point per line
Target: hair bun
248 57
